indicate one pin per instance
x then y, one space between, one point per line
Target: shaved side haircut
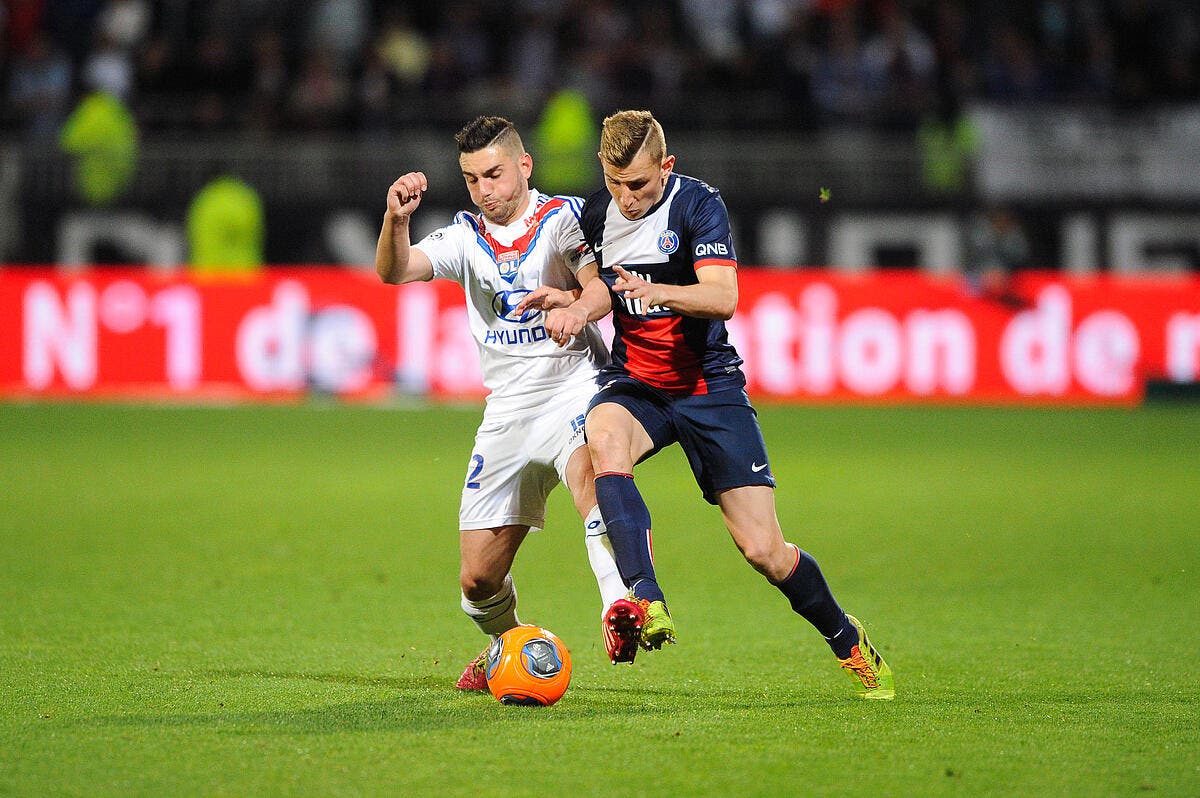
627 133
489 131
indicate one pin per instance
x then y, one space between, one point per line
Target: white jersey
497 266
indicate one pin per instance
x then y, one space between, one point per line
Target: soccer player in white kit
531 435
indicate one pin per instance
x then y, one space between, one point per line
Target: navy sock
810 596
628 521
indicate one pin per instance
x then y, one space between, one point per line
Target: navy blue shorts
718 431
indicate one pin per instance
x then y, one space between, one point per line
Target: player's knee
759 557
477 586
607 446
767 556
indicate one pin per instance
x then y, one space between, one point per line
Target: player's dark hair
486 131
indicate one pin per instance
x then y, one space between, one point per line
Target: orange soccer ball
528 666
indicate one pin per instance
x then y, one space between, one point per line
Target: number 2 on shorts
476 467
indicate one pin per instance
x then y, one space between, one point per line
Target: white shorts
518 459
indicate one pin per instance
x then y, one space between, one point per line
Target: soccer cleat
658 628
871 675
475 675
623 622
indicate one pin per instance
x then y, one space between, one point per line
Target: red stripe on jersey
714 262
521 244
657 354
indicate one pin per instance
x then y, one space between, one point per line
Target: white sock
496 615
600 555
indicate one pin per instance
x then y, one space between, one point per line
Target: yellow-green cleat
872 677
658 627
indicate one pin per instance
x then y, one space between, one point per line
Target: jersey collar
671 180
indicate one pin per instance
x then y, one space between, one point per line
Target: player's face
635 188
498 181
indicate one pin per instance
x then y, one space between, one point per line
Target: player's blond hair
627 133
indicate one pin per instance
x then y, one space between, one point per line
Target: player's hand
405 194
545 298
562 324
631 286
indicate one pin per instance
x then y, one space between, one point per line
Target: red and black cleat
623 629
475 675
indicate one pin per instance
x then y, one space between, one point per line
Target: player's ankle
842 643
648 589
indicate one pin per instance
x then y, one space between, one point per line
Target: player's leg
721 437
580 481
749 513
624 425
489 597
573 464
616 441
621 619
494 516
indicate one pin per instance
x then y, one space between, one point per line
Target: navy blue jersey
687 229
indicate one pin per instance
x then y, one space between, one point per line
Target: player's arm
594 303
546 297
715 296
396 260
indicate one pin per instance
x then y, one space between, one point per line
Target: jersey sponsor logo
521 335
637 307
504 305
705 250
668 241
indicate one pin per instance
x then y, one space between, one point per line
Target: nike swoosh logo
755 467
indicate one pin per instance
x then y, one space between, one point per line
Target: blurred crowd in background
284 66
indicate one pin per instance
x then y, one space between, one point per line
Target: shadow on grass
349 679
428 703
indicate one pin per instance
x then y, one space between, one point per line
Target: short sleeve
575 250
708 232
445 249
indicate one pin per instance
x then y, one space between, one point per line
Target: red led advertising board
805 335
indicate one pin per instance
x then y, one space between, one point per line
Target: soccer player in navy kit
668 271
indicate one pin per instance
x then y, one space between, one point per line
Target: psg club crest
668 241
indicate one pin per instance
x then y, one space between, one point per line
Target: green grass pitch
264 601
